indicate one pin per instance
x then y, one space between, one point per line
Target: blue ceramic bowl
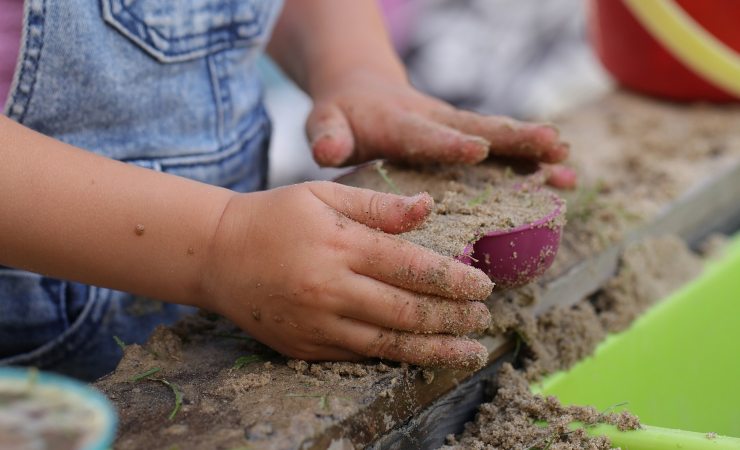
78 392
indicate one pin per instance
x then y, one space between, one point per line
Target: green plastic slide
677 368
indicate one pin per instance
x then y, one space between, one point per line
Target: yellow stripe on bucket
689 42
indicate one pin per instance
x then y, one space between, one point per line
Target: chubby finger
400 263
387 212
329 135
436 350
420 140
509 137
390 307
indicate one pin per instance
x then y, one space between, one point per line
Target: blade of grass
482 197
244 360
33 379
384 175
609 409
518 346
323 399
178 396
145 374
120 343
233 336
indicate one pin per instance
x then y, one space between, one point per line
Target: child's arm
364 107
72 214
287 265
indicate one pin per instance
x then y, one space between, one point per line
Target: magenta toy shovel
510 257
517 256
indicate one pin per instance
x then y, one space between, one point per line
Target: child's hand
366 117
311 271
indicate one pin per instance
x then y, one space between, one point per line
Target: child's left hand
365 117
365 108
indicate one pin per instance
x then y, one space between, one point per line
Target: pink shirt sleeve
11 24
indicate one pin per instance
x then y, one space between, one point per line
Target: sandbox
646 168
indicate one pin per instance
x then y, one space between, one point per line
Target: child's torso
158 82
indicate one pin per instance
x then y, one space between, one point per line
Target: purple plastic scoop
511 257
517 256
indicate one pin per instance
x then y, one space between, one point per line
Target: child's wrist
201 293
322 85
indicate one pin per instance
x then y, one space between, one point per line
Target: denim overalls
170 85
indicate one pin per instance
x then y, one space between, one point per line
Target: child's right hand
308 269
313 271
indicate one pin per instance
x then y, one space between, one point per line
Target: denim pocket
43 320
240 166
174 31
32 311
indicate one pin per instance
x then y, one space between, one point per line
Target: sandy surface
634 156
267 401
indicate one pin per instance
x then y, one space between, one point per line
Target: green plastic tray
677 368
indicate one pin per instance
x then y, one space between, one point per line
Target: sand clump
518 419
470 201
331 371
648 271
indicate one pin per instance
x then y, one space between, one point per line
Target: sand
269 402
517 419
470 201
649 271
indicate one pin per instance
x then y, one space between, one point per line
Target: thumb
329 135
386 212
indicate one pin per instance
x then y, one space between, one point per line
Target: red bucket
640 58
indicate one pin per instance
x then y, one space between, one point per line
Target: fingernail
563 149
555 152
474 357
411 202
321 136
477 284
477 149
328 150
480 141
562 177
484 319
551 126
